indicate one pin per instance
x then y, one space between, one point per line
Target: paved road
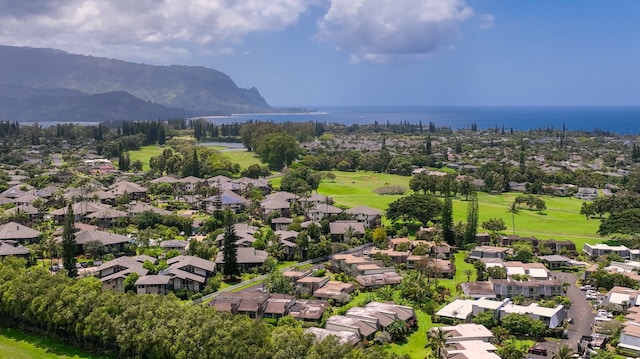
581 311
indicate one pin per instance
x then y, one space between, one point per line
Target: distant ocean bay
624 120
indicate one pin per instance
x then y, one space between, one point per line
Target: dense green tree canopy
416 207
277 150
626 222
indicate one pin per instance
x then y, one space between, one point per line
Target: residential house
227 200
188 184
531 270
601 249
508 288
481 252
552 317
134 190
249 303
191 264
312 283
164 179
465 332
281 223
374 281
80 211
140 207
177 245
324 210
397 257
247 258
281 207
288 241
555 261
364 329
335 290
107 217
184 272
13 231
26 214
113 273
478 289
622 298
278 305
586 193
630 337
342 231
370 217
308 309
113 242
12 248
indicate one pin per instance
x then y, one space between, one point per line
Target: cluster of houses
530 280
625 300
186 272
412 252
362 323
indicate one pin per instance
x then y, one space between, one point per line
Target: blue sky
363 52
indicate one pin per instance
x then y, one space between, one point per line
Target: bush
390 190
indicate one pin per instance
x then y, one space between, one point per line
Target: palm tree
437 341
564 352
513 209
468 272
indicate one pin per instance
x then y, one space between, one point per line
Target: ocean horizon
618 119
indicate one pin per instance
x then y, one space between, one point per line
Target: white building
601 249
466 309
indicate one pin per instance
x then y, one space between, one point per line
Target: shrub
390 190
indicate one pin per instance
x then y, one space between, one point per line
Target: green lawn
145 153
356 188
561 220
242 157
17 345
414 347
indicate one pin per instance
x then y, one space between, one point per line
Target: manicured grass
561 220
17 345
414 346
242 157
145 153
356 188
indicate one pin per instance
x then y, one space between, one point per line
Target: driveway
581 311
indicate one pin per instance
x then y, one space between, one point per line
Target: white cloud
170 31
392 31
144 29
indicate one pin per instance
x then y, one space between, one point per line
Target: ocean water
624 120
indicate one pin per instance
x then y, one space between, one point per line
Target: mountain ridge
195 89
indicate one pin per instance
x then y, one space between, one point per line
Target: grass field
561 220
241 157
145 153
17 345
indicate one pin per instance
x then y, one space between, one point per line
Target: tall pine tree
230 249
472 220
69 245
448 233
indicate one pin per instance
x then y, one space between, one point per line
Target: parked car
538 350
587 287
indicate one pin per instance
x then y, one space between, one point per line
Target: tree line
79 312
